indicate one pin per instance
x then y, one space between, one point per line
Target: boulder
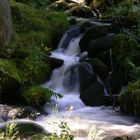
100 45
114 82
9 112
91 34
93 95
85 26
55 62
9 87
5 23
25 128
86 77
99 68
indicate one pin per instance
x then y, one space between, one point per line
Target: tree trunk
5 23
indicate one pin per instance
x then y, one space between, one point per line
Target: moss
125 48
130 99
32 38
36 95
9 67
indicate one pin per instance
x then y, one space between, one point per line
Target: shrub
130 99
37 95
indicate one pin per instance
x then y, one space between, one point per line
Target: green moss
35 32
9 67
130 99
125 48
37 95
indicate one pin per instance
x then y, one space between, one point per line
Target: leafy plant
65 134
37 95
10 133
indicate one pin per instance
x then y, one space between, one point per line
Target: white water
80 118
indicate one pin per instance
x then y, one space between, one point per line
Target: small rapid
80 118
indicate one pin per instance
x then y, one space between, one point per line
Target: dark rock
55 63
86 77
136 60
8 90
25 128
72 21
9 112
91 34
99 68
100 45
115 82
93 95
85 26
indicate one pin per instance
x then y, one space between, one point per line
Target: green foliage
9 67
65 134
130 99
125 13
10 133
125 48
135 71
33 37
37 95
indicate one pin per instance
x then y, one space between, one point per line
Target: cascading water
65 80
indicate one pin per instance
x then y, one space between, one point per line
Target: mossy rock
99 68
85 26
92 33
100 45
93 95
37 95
85 78
130 99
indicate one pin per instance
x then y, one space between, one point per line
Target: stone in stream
25 128
9 112
93 95
97 31
97 46
99 68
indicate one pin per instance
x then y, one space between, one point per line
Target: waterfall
70 108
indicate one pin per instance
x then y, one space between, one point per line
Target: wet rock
100 45
93 95
55 62
25 128
91 34
19 112
86 77
72 21
115 82
85 26
99 68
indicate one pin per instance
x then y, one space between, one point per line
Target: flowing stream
84 121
